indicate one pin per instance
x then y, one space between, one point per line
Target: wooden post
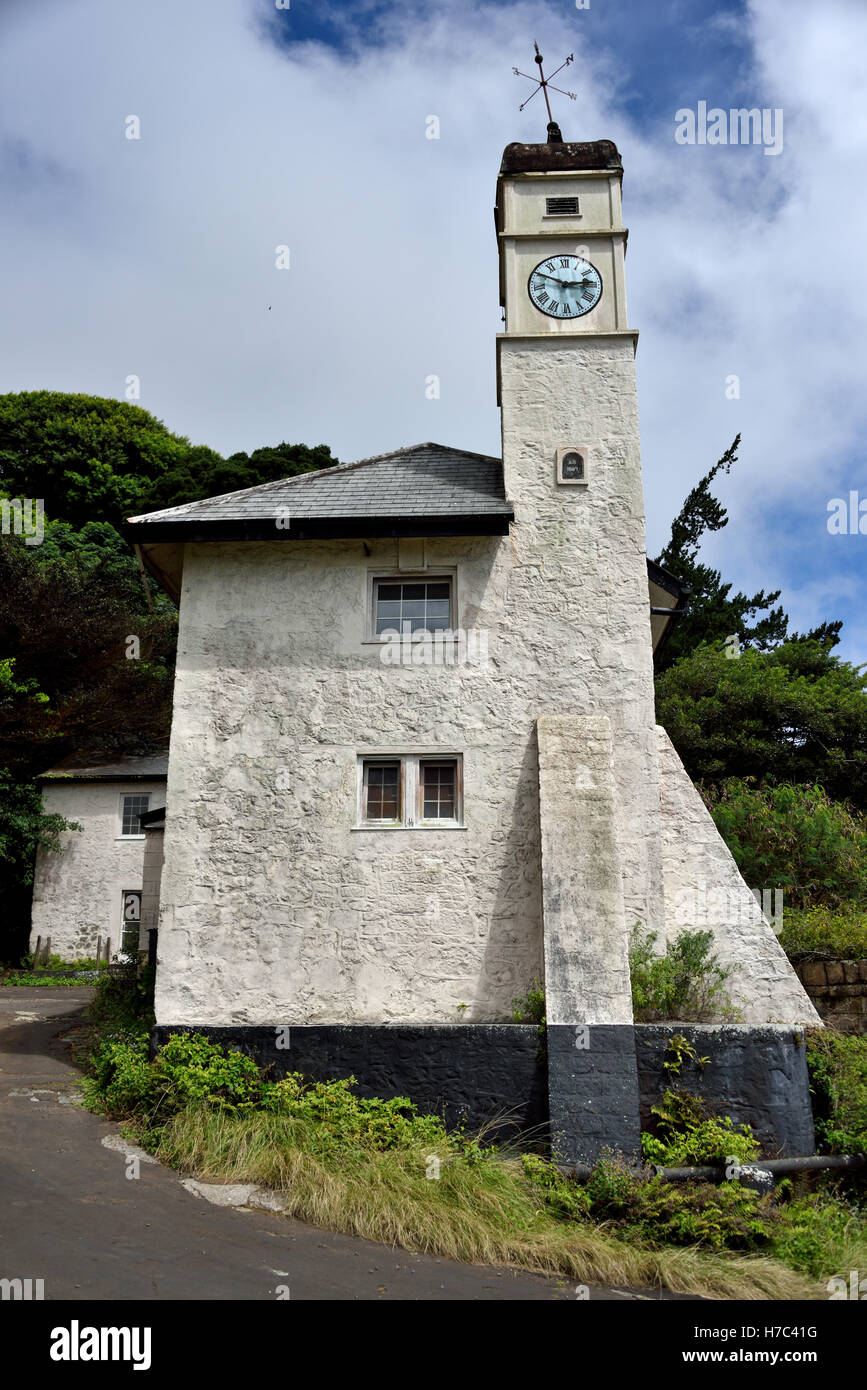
108 950
36 952
47 948
98 950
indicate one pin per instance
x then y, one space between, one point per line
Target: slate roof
424 480
77 769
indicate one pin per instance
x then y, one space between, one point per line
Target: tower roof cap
532 159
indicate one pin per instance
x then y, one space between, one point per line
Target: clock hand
564 283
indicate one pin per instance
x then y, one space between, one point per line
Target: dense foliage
796 714
838 1074
795 838
821 933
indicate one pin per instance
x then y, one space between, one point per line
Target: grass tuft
481 1212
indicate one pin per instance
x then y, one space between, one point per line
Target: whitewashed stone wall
704 890
579 586
77 891
274 908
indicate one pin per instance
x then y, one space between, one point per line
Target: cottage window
382 799
410 792
131 807
414 605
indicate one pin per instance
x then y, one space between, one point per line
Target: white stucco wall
77 892
579 591
274 909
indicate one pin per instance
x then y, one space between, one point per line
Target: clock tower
572 465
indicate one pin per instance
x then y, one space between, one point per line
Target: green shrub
838 1075
795 838
563 1197
727 1217
825 933
686 983
655 1212
341 1118
821 1235
43 981
189 1068
530 1007
686 1136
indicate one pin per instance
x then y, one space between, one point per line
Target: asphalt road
69 1214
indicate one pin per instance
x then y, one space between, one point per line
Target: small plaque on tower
572 464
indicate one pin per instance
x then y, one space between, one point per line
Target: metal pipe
777 1166
716 1172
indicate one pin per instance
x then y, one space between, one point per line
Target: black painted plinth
600 1080
481 1074
758 1076
593 1091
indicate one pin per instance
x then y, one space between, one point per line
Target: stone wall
838 989
482 1076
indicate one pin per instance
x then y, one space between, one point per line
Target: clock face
565 287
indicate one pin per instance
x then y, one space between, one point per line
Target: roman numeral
543 299
549 265
564 261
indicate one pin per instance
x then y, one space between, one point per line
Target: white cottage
414 763
91 892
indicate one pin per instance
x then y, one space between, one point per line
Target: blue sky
305 127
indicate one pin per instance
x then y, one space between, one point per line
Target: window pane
438 791
133 807
413 607
383 791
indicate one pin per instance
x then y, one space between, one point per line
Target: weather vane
543 84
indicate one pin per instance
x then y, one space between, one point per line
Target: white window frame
437 574
411 805
139 835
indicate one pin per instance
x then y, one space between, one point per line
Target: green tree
203 474
714 613
795 838
795 714
88 457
